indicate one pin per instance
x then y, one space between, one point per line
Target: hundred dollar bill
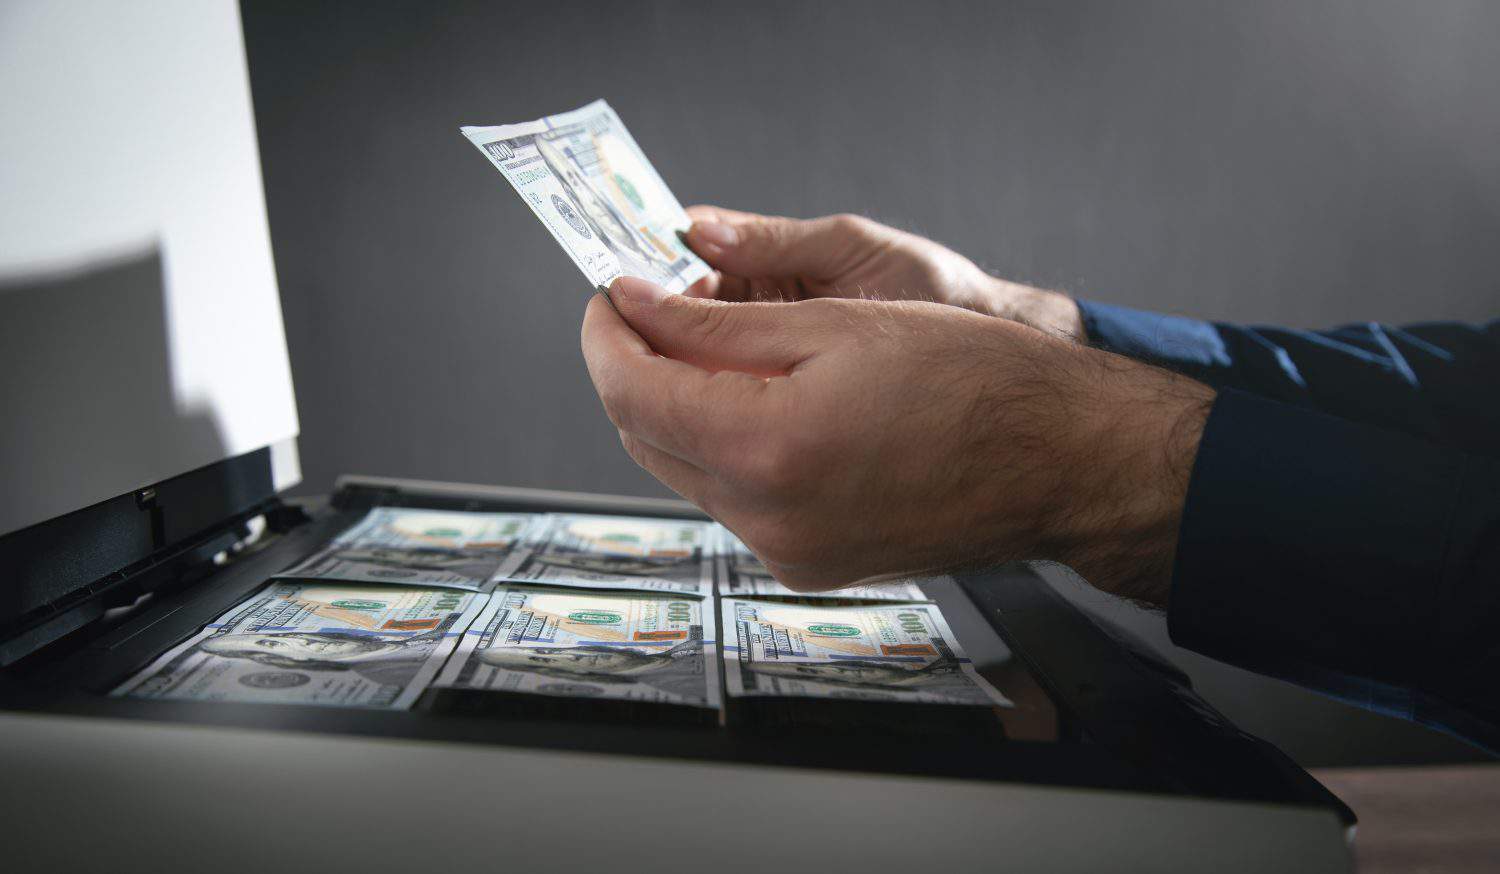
312 643
586 179
871 652
619 552
744 576
580 644
420 547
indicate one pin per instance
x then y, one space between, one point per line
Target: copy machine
150 436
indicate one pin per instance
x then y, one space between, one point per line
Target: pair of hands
859 403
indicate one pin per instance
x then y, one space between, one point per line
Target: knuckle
609 399
847 223
817 310
623 404
633 447
773 234
785 460
769 468
616 407
787 474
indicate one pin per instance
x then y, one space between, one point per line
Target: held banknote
587 644
619 552
588 182
743 575
420 547
316 643
870 652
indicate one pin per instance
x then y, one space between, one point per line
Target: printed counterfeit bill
619 552
743 575
586 179
871 652
315 643
577 644
420 547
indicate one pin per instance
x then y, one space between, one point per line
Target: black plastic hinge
284 517
145 501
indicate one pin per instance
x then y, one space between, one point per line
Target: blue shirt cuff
1187 345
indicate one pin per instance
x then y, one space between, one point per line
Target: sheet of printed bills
870 652
446 548
316 643
636 646
743 575
592 187
619 552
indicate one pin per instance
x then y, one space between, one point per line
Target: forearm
1347 558
1106 473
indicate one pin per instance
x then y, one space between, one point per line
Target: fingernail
604 290
717 233
639 291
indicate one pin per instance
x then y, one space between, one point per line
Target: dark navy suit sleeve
1342 524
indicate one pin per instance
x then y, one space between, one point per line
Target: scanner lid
141 334
140 323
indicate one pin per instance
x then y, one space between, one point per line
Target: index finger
680 409
705 212
727 286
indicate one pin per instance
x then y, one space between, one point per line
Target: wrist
1134 447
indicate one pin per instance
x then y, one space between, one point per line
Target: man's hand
848 440
767 258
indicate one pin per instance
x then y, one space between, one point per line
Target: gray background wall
1291 162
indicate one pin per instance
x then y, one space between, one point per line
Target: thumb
764 339
756 247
